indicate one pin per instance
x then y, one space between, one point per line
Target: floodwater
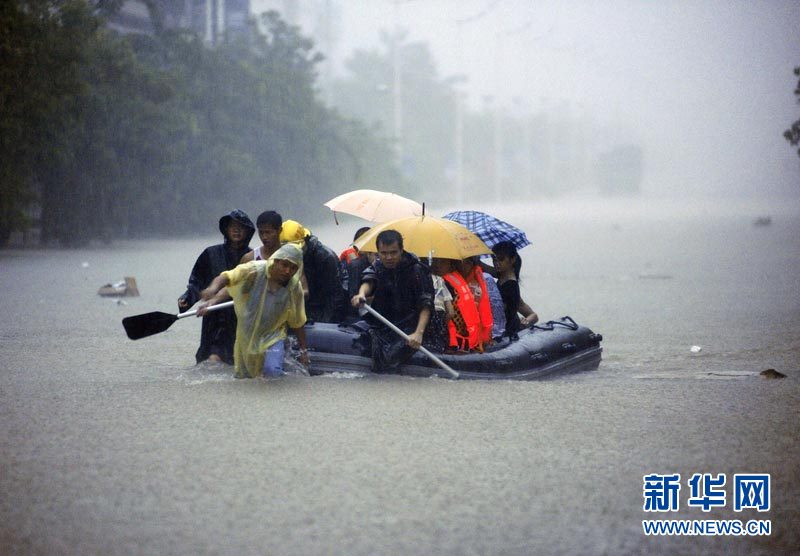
109 446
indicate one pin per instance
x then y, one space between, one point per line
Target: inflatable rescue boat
554 348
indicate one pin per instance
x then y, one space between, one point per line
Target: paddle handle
212 308
432 357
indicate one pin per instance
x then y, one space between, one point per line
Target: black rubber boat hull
556 348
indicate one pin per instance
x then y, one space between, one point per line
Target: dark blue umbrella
490 229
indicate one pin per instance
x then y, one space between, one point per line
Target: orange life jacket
478 331
484 306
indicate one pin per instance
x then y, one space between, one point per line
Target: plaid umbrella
490 229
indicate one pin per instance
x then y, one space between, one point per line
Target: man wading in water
218 331
268 298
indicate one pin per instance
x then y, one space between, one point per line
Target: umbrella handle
217 307
432 357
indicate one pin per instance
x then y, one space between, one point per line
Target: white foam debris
696 349
344 375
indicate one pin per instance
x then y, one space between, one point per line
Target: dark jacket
402 292
218 331
351 281
509 291
325 294
399 296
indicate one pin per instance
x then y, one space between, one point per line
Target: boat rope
550 325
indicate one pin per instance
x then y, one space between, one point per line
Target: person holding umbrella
402 292
508 264
494 232
471 325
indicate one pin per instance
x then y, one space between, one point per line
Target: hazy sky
705 86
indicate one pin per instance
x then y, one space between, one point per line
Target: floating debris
725 375
85 264
345 375
771 373
763 221
124 288
696 349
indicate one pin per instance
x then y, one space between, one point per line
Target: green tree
258 130
38 76
793 133
130 135
116 143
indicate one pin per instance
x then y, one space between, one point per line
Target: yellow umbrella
428 235
375 206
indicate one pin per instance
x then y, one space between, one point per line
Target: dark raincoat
325 301
218 331
400 294
351 281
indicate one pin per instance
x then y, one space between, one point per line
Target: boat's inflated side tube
557 346
333 338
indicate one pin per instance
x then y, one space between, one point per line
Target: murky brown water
110 446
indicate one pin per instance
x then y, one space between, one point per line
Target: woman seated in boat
471 325
508 265
437 336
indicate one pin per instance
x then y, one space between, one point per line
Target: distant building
214 20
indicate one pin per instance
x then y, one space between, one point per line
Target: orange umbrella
428 236
375 206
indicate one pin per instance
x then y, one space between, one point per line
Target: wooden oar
432 357
141 326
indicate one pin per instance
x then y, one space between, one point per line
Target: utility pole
497 130
459 103
524 116
397 106
497 141
459 145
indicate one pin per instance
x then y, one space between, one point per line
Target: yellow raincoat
262 316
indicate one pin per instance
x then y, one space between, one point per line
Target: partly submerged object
555 348
124 288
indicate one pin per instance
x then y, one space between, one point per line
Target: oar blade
141 326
